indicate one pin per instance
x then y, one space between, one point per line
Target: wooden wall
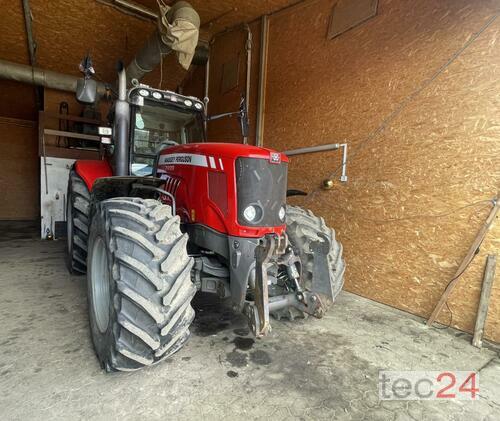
416 192
441 154
19 175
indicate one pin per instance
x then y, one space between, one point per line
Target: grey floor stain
260 357
243 344
236 359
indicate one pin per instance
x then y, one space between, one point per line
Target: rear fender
90 171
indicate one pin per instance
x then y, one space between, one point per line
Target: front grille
261 183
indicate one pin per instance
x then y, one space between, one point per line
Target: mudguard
90 171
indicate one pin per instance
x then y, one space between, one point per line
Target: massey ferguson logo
183 159
275 158
186 159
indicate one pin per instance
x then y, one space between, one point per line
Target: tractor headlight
188 103
250 213
253 213
143 92
282 214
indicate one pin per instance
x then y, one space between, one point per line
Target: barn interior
400 97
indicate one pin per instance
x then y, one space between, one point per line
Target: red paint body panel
90 171
195 174
204 187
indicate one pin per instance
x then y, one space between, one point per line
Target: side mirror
244 123
86 91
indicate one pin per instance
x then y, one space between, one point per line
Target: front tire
303 230
139 283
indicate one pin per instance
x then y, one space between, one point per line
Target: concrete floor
313 369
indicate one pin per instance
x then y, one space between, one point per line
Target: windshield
157 127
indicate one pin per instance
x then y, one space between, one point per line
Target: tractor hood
215 183
226 150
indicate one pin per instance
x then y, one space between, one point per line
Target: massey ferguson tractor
166 214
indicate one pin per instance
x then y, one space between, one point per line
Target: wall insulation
417 193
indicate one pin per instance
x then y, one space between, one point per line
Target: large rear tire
303 229
77 220
139 283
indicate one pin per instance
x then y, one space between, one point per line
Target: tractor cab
158 120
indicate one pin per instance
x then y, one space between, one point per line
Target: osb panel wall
439 156
19 176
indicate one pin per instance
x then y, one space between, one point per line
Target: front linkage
276 250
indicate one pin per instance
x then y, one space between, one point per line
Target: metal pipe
121 127
248 47
312 149
29 31
343 177
148 57
261 107
282 301
40 77
31 45
127 8
323 148
206 97
137 8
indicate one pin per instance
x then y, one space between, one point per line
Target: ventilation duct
178 30
41 77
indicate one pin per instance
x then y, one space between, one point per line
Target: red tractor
166 214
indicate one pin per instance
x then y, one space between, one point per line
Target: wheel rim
99 279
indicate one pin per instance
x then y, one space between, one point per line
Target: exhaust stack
121 126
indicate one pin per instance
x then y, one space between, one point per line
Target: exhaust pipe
178 30
121 126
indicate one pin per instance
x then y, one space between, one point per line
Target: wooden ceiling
219 14
65 30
